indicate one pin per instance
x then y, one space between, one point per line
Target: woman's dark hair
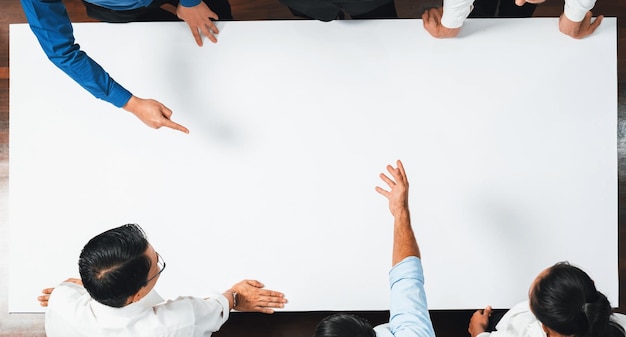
344 325
565 300
113 265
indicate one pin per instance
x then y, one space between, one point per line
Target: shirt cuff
576 10
451 22
574 14
225 306
189 3
453 17
119 95
484 334
409 267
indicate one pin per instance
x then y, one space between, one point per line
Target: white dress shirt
521 322
517 322
456 11
72 312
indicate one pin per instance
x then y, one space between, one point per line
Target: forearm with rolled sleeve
575 10
409 315
455 12
51 25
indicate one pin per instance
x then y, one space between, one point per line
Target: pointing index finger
173 125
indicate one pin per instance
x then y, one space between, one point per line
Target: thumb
520 2
597 21
488 310
255 283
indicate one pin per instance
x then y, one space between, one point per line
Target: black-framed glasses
161 264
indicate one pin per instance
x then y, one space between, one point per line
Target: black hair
344 325
566 300
113 265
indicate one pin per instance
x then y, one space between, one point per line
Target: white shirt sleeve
206 315
575 10
72 312
455 12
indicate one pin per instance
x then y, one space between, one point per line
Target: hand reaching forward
152 113
581 29
432 23
199 18
398 195
252 297
43 299
479 321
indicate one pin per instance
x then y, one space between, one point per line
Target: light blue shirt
408 315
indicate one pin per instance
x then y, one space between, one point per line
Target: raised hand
398 194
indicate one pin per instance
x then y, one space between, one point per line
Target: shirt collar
146 303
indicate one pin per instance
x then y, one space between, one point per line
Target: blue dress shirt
49 21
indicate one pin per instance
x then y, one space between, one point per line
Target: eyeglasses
161 264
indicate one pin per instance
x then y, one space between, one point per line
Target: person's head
344 325
565 300
119 266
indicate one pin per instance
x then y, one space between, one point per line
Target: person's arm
404 242
51 25
49 21
253 297
446 21
409 310
45 298
576 20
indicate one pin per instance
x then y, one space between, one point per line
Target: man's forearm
404 242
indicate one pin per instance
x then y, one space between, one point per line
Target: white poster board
508 135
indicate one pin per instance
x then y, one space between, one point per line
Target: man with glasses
115 295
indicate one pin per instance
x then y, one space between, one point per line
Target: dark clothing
495 317
501 9
153 12
328 10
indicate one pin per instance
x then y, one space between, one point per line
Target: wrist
130 104
233 298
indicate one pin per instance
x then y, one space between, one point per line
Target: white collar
133 309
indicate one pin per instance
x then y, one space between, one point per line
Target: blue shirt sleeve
409 310
189 3
49 21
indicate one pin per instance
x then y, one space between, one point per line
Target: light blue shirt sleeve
409 315
51 25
